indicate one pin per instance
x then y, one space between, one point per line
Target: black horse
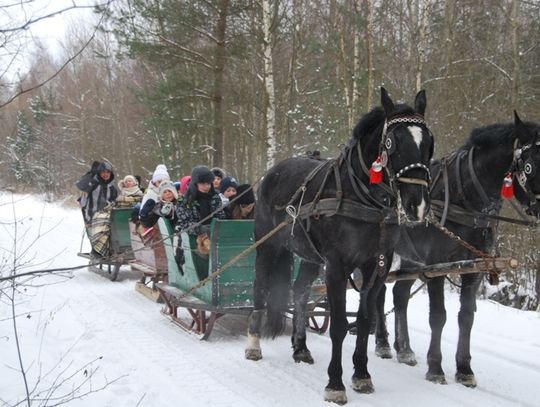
475 173
329 213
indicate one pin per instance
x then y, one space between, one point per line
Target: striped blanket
99 232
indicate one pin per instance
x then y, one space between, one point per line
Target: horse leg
368 298
469 286
401 291
336 286
437 319
382 347
263 266
302 288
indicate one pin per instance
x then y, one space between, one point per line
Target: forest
242 84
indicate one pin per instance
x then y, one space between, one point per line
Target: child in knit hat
227 189
164 206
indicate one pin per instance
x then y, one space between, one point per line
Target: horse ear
420 102
521 131
386 102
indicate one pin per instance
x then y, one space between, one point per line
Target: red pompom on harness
507 190
375 172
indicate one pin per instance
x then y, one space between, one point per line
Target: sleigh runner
230 292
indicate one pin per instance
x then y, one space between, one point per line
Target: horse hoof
407 358
362 385
383 351
467 380
303 356
335 396
436 378
253 354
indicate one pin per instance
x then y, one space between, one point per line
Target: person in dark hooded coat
98 189
98 194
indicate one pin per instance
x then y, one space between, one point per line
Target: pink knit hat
184 182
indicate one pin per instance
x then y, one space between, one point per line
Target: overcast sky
49 31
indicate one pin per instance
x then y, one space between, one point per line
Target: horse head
526 165
405 151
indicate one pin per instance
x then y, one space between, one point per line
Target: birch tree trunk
514 20
369 46
219 63
423 14
271 150
356 65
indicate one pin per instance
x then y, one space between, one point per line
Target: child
227 189
130 193
219 174
151 210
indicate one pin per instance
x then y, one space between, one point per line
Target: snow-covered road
151 362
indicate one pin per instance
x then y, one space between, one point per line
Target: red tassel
375 172
507 190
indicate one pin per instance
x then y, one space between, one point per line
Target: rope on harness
293 212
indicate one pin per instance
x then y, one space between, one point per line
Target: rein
464 213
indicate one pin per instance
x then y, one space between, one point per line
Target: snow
148 361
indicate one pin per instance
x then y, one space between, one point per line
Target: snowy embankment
66 323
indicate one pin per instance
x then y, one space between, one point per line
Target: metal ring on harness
292 212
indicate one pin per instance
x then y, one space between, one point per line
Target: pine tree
19 149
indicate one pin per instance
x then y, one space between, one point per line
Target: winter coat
151 211
97 193
152 206
190 212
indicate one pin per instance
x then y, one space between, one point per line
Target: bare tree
15 41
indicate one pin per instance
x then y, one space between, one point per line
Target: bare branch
51 15
68 61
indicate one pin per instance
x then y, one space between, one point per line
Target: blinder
525 167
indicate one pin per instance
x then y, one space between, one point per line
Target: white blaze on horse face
421 210
416 133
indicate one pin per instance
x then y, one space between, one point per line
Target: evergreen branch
205 62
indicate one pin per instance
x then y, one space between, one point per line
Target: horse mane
375 118
490 136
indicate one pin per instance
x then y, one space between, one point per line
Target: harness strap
308 178
475 181
378 271
349 209
446 191
364 196
461 194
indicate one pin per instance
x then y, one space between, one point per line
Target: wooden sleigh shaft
496 265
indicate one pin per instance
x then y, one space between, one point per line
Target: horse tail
278 295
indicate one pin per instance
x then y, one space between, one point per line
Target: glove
166 208
203 244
